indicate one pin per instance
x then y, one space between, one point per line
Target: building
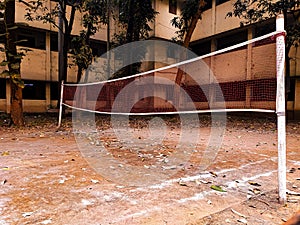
214 32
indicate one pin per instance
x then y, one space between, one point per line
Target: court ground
45 180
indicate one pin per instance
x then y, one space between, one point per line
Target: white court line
200 176
200 195
196 197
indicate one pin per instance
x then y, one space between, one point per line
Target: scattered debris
293 193
181 183
4 182
169 167
237 213
202 182
213 174
94 181
27 214
46 221
242 220
256 191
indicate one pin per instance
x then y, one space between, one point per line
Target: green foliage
251 11
81 52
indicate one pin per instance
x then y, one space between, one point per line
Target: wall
162 25
21 11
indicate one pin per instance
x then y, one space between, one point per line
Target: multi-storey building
39 68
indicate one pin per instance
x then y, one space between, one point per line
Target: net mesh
242 77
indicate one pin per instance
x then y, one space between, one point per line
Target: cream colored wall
224 23
204 27
230 66
162 26
214 21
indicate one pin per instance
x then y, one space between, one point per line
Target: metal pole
280 109
60 104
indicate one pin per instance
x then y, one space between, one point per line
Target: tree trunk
186 43
13 65
16 104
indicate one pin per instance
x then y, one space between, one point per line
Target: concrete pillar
48 96
249 67
297 97
213 17
48 57
212 91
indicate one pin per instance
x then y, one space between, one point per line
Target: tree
94 14
12 61
37 11
252 11
190 14
133 16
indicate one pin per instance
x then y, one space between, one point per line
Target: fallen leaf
254 183
256 191
6 153
217 188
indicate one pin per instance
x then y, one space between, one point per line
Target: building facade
214 31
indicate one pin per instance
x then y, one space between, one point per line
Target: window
202 48
219 2
35 90
98 48
173 6
54 42
2 88
232 39
291 94
265 28
34 39
54 90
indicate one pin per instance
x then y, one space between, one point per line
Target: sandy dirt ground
44 179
